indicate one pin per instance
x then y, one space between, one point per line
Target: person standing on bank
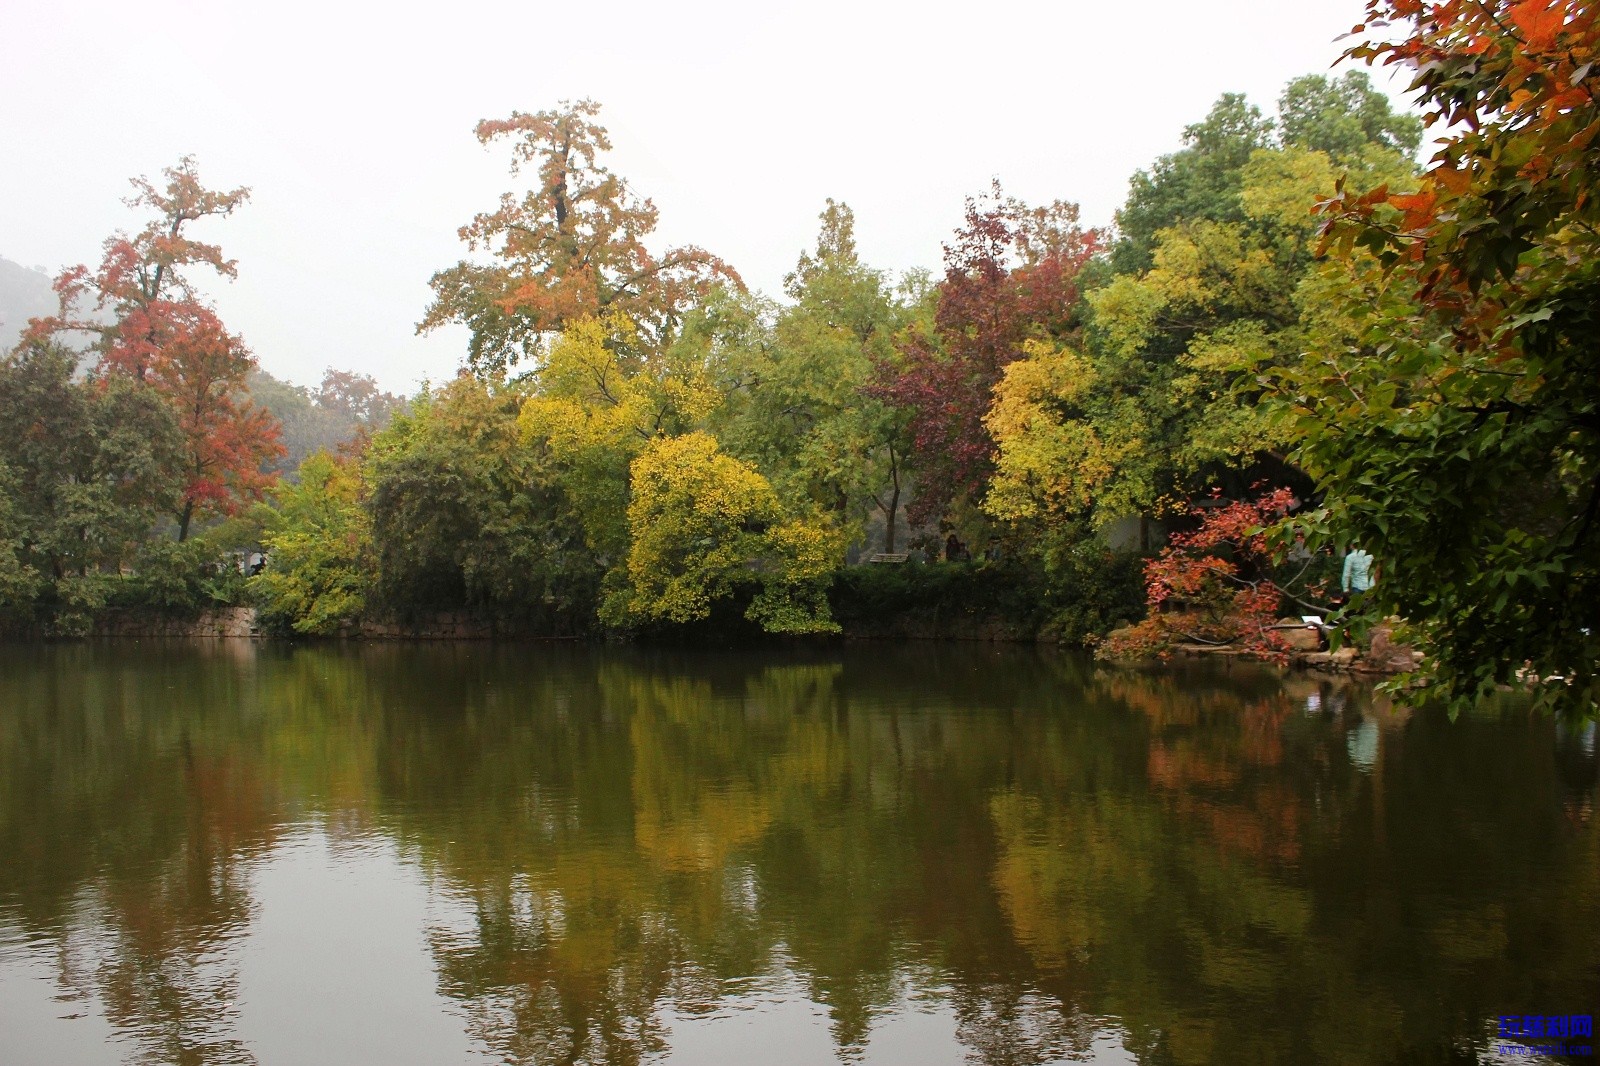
1358 572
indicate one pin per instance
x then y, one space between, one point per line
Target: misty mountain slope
24 293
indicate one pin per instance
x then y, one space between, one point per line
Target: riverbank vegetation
1288 304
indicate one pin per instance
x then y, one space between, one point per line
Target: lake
252 853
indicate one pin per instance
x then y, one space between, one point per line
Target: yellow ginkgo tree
597 401
704 523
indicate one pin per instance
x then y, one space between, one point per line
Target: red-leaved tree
146 323
182 351
1214 585
1010 275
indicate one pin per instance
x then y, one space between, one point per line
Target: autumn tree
200 369
1218 584
149 270
1010 276
1053 461
703 523
357 398
597 401
1159 402
155 330
571 247
1458 432
796 400
340 416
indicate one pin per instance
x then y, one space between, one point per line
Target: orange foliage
182 350
1210 586
570 248
163 336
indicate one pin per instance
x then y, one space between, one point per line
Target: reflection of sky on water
40 1022
1326 698
333 967
300 983
93 985
784 1028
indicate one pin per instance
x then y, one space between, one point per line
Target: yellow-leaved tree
1051 459
597 401
702 523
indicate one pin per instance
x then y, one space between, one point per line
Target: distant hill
324 418
24 293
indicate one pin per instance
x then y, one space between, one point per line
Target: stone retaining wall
241 622
227 622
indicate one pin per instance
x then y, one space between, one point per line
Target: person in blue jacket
1358 571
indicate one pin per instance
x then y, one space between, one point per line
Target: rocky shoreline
1381 656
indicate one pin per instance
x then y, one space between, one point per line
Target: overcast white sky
352 126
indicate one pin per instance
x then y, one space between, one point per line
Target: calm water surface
228 853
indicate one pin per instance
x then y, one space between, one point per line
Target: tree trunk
183 520
894 504
888 534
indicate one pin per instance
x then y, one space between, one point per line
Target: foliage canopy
1458 428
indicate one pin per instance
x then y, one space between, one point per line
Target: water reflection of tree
1221 923
1191 863
128 827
